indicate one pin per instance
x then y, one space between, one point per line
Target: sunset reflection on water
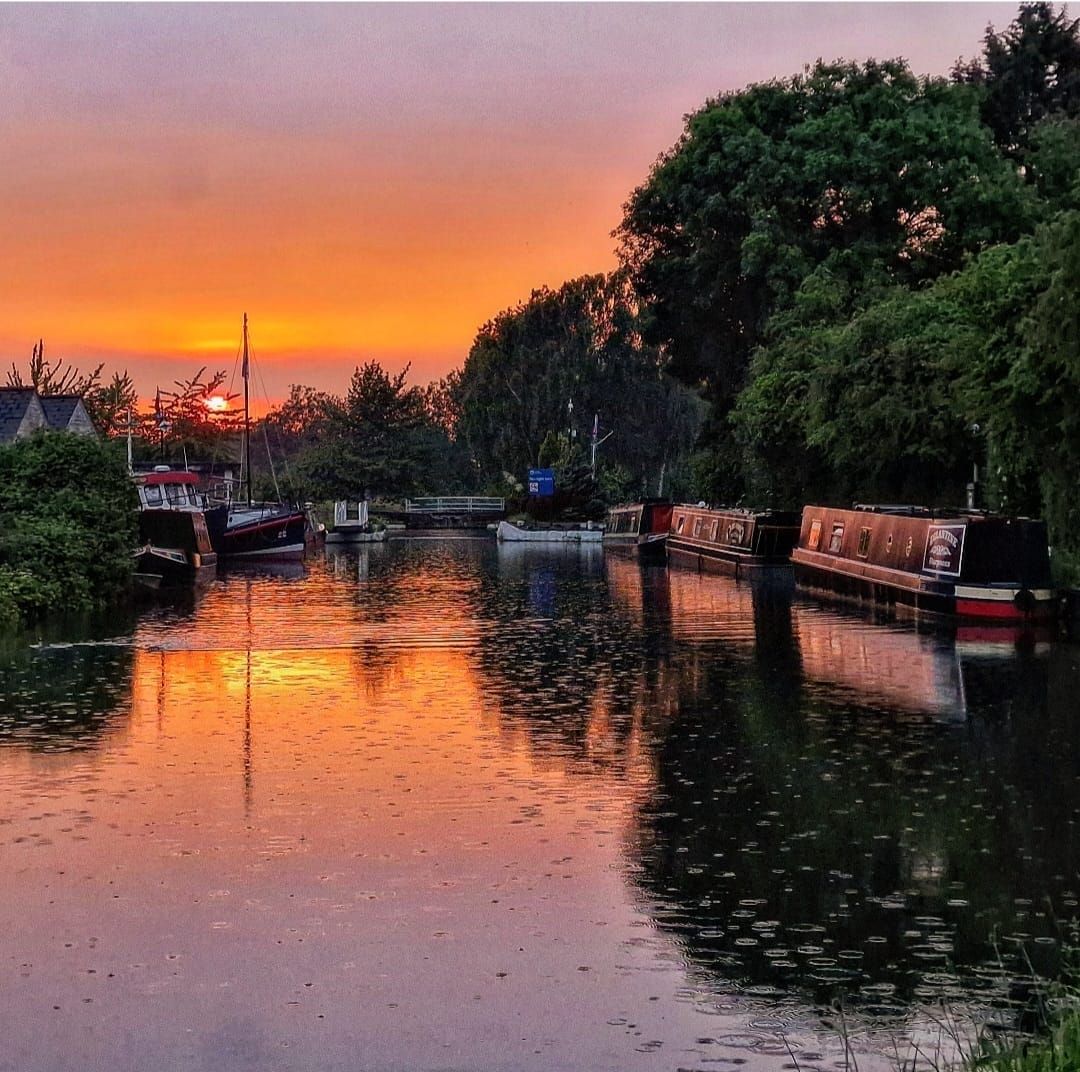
440 806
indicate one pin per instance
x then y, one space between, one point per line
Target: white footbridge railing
450 504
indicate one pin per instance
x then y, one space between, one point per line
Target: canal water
451 805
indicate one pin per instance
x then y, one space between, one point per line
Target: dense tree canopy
1029 73
67 525
556 364
862 173
874 279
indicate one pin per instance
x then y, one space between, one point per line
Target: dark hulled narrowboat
175 549
180 490
731 539
969 565
639 529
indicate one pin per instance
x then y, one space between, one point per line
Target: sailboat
260 530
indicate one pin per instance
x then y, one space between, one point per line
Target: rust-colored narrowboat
970 565
639 529
730 539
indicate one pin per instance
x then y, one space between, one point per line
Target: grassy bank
1058 1050
68 525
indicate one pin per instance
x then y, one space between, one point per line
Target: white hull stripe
1002 595
286 549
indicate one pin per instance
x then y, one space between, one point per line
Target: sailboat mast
245 460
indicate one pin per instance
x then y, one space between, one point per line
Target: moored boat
261 530
175 549
639 529
264 530
731 539
967 564
180 490
570 532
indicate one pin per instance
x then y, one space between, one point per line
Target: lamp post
596 442
973 486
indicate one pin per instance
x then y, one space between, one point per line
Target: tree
68 513
1047 379
373 442
1029 72
108 405
550 365
864 171
183 421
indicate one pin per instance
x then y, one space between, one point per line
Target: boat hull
731 540
639 529
912 561
728 561
348 536
648 547
176 550
508 533
275 536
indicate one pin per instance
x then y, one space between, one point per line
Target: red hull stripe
999 610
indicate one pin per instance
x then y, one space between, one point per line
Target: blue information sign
542 482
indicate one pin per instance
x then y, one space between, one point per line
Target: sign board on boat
542 482
944 549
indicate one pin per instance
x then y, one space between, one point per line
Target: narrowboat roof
173 476
932 513
640 503
741 511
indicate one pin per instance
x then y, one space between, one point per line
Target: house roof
59 409
13 405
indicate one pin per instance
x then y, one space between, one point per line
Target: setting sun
217 404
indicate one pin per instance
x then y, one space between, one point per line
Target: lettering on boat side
944 549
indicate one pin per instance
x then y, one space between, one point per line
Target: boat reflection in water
657 819
846 819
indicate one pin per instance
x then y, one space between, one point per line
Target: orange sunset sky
366 181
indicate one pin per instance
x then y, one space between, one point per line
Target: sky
366 181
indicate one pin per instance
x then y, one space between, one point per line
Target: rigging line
254 367
270 459
236 362
266 398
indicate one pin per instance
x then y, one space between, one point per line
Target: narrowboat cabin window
177 494
680 523
697 527
888 544
864 543
715 530
814 540
152 494
837 537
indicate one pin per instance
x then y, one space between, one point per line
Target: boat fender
1024 600
196 560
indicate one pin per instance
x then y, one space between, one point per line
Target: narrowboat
639 529
175 549
965 564
731 539
177 489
